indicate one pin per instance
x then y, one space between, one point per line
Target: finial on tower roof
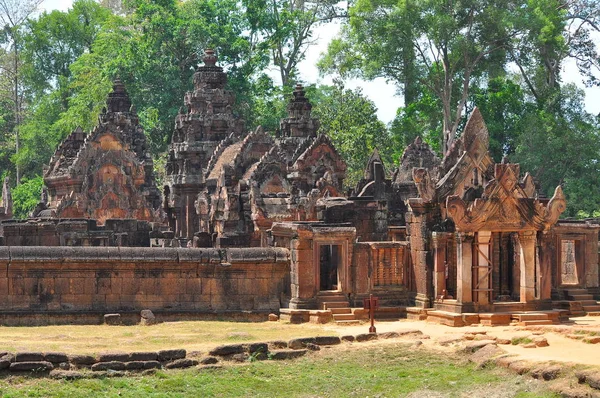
210 59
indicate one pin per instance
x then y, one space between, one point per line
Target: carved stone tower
205 120
298 126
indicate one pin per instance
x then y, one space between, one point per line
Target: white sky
381 93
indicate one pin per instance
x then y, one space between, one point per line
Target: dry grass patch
192 335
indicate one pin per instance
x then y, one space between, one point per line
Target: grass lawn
193 335
382 369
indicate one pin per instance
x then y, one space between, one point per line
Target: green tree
350 120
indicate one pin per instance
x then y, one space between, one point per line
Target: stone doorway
329 263
507 271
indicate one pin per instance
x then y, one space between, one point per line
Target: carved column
484 266
464 264
527 265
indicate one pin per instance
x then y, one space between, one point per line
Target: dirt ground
560 349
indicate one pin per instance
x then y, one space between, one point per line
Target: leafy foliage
26 196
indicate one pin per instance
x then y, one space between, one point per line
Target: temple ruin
253 222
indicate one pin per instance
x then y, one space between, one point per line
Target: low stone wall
39 281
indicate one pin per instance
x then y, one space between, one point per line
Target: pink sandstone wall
110 279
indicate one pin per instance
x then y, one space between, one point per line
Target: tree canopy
444 58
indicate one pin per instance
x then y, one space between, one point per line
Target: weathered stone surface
520 367
546 372
366 337
29 357
134 365
541 342
592 340
181 363
312 347
348 338
112 319
503 341
112 365
388 335
278 344
56 357
475 345
449 340
273 317
257 347
228 349
327 340
143 356
169 355
64 365
209 360
151 365
4 364
297 344
66 374
147 318
288 354
593 380
241 357
113 356
409 332
529 345
33 366
82 359
484 355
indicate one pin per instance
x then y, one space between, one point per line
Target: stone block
327 340
113 365
113 357
181 363
169 355
82 359
287 354
66 374
29 357
112 319
229 349
31 366
208 360
296 344
147 318
257 347
365 337
56 357
143 356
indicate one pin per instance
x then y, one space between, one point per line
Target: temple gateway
249 223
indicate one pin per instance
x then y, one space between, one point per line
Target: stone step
344 317
494 319
335 304
585 303
576 291
591 308
593 313
531 317
581 297
445 318
344 310
349 322
535 322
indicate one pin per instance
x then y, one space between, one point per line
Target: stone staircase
536 318
588 303
338 304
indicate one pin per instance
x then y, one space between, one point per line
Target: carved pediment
505 206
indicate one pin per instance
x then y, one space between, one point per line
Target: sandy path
561 349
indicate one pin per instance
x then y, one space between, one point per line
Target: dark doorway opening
329 258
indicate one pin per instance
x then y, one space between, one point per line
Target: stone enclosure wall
71 280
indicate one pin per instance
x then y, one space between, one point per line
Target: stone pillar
302 267
527 265
464 265
440 262
419 247
483 262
